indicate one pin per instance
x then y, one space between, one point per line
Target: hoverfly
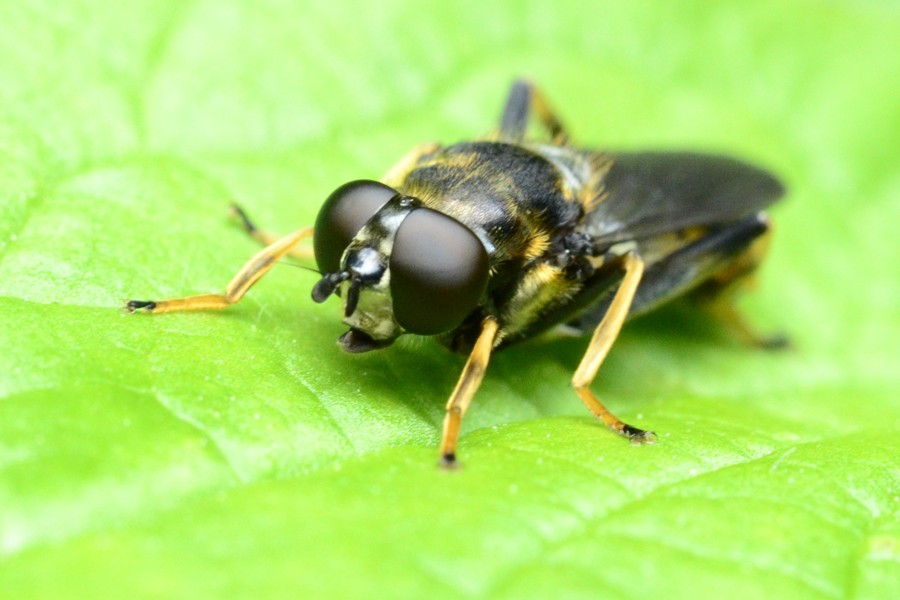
486 243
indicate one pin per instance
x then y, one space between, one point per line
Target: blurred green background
242 455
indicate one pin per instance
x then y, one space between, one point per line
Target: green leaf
240 454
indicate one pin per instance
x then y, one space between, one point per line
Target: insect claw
646 437
637 436
776 342
135 305
448 462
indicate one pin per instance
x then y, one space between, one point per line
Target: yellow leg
601 342
723 310
524 102
249 274
718 296
548 118
264 237
465 389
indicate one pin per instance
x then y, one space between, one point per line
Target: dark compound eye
342 216
439 272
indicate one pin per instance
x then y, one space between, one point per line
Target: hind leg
525 101
718 295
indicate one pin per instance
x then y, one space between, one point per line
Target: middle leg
599 347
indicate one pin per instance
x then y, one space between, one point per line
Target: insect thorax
525 206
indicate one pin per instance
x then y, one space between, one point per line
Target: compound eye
439 272
342 216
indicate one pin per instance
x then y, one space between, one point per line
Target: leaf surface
240 454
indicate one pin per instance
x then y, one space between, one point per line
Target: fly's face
399 267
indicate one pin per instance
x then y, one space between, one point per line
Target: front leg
465 389
261 263
266 238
